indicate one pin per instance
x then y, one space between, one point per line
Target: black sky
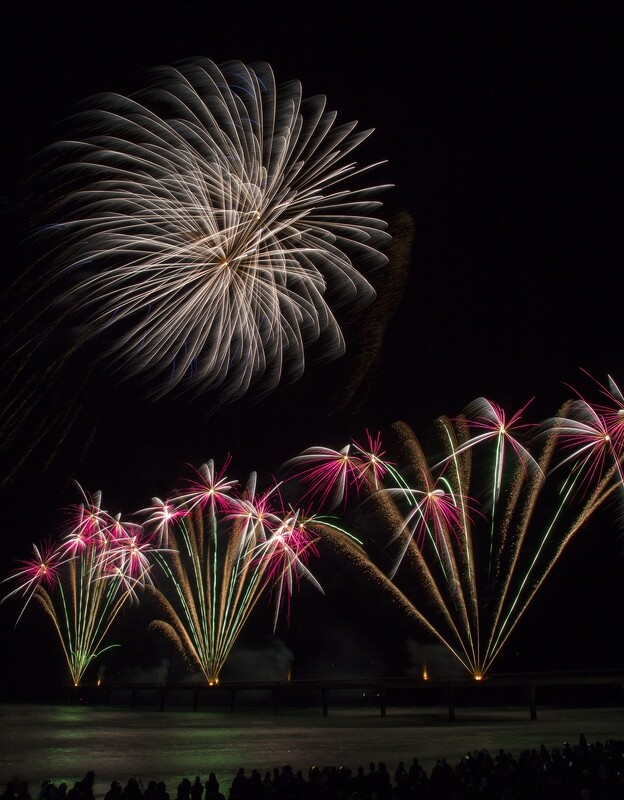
502 127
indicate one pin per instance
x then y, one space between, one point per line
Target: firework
210 222
592 436
462 541
227 550
471 535
85 580
327 476
483 569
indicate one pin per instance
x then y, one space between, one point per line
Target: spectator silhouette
238 789
114 792
132 790
184 790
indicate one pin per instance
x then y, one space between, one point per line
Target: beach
62 743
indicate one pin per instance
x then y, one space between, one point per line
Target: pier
380 691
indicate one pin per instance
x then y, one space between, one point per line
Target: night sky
501 125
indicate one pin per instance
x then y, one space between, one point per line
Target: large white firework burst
206 225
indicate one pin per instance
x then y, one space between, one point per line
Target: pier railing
378 690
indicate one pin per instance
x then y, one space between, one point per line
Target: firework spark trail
200 235
491 422
84 580
529 524
455 591
328 473
286 553
41 571
350 549
467 573
228 549
594 433
340 474
327 476
609 484
213 212
23 394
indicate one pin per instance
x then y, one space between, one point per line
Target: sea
63 742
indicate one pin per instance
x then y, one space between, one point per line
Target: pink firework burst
373 463
437 514
40 570
328 474
160 517
612 412
87 524
283 556
493 425
212 490
258 515
130 552
592 434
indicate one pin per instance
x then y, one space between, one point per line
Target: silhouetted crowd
573 772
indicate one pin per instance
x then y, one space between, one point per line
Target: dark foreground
580 771
526 758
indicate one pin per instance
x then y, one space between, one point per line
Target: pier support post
232 700
450 699
195 699
324 693
530 692
383 698
163 692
